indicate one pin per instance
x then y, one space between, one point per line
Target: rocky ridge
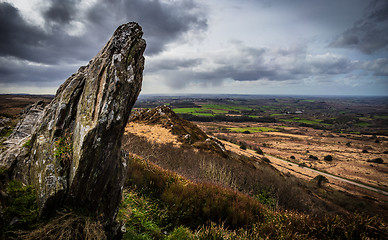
187 132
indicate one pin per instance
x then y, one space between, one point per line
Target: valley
342 136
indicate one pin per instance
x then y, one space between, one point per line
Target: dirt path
332 176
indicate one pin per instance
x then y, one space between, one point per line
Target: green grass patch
27 144
365 119
22 204
203 114
363 124
276 114
185 110
301 120
142 216
218 111
6 132
380 117
253 129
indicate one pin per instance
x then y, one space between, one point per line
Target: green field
363 124
210 110
253 129
186 110
381 117
301 120
226 107
203 114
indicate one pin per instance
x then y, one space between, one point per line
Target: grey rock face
16 152
75 150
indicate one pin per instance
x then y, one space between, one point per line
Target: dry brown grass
154 133
67 226
248 175
349 160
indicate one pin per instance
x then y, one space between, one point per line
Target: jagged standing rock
76 149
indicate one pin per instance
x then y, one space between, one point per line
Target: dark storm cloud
252 64
162 22
369 34
21 72
53 49
61 12
243 63
18 38
379 67
25 41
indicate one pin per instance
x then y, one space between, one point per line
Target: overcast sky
309 47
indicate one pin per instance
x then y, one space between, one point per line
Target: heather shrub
259 151
328 158
196 204
193 204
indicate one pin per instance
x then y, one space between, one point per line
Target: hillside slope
250 175
197 186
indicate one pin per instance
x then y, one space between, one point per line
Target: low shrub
21 203
320 180
313 157
328 158
259 151
265 159
376 160
64 150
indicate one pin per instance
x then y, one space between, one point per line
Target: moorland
247 167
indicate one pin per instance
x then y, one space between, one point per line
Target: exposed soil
154 133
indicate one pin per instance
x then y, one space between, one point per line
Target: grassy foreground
158 204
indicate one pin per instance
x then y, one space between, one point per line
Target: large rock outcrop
187 132
75 156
